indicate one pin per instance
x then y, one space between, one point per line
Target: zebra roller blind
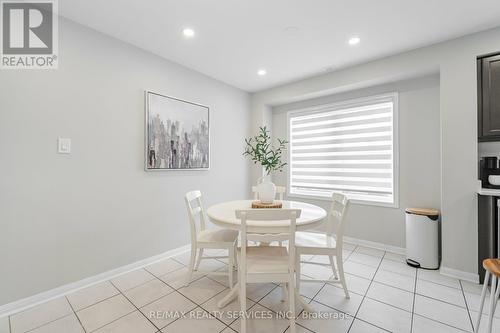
345 147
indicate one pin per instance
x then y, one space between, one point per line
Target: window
348 147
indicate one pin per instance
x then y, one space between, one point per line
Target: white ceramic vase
266 189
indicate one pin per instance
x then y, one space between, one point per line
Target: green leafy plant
261 150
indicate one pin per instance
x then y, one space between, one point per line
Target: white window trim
395 147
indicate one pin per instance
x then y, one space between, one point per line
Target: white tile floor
386 295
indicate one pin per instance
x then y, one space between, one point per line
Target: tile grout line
331 307
120 293
134 287
217 259
358 247
142 283
215 317
279 286
230 328
112 321
159 278
199 278
349 255
116 318
297 324
177 261
169 272
440 284
413 303
335 285
197 305
134 304
437 300
311 300
305 328
102 300
154 300
88 306
362 263
74 312
392 305
324 285
257 302
432 298
367 322
201 306
440 322
366 292
388 285
405 275
173 321
276 312
372 324
376 270
467 306
47 323
442 301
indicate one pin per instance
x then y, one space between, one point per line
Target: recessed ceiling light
188 32
261 72
354 40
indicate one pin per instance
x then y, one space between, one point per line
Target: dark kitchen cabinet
489 98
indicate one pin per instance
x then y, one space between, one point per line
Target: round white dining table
223 215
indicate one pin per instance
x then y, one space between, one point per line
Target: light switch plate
64 145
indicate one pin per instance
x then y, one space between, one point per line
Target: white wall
456 62
67 217
419 158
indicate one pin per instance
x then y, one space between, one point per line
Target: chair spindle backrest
336 217
195 212
267 215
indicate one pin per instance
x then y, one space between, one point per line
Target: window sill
352 201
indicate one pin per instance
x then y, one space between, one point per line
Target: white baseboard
455 273
450 272
28 302
375 245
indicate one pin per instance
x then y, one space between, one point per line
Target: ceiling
291 39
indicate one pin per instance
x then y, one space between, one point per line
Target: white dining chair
202 238
280 192
260 264
315 243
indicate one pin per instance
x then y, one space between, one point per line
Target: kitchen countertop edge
489 191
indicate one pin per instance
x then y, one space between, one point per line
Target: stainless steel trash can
422 238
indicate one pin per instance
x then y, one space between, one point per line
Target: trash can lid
423 211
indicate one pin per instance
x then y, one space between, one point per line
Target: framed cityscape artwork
177 134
